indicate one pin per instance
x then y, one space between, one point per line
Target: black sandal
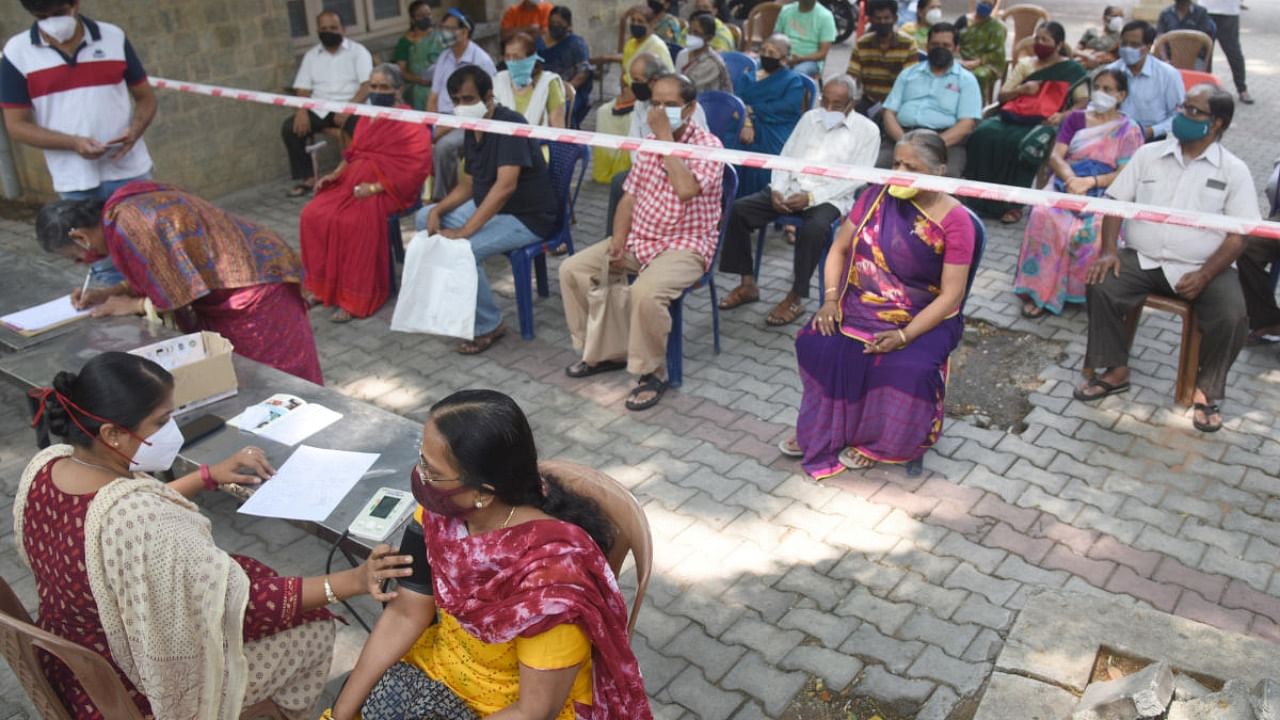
583 369
648 383
1107 389
1209 410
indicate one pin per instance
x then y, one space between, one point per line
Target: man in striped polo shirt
76 89
880 56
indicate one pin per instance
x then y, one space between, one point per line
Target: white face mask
674 117
832 119
1115 24
474 111
1101 102
934 16
60 27
693 42
158 452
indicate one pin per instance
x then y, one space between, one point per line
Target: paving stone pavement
897 587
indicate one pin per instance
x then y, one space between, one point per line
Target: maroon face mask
437 501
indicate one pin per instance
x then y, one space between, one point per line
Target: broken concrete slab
1186 687
1057 637
1011 696
1144 694
1232 703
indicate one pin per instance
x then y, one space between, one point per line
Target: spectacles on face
1194 112
424 472
669 104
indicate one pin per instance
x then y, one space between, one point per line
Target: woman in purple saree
873 361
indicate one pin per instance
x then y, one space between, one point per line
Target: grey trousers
1220 314
445 157
1229 39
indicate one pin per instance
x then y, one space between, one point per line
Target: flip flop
1209 410
340 317
583 369
648 383
1107 389
855 460
482 343
300 189
1011 216
1033 314
790 449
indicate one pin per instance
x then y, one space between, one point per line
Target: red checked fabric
660 222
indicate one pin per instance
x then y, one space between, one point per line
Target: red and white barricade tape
953 186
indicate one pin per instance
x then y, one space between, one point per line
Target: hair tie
70 408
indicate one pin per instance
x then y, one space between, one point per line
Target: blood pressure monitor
382 514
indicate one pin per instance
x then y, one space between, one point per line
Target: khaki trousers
647 313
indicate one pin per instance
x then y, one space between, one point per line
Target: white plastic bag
438 288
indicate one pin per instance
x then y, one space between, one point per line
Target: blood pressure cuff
413 545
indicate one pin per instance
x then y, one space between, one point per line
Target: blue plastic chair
738 64
396 240
675 340
566 160
812 93
726 115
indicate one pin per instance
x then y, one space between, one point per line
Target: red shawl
525 580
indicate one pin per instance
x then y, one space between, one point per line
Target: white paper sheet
300 424
310 484
43 316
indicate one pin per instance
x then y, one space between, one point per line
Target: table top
26 282
363 427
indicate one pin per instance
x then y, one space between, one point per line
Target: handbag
1033 109
438 288
608 315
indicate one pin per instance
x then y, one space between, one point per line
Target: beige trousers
647 313
290 668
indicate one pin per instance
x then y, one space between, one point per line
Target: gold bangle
903 337
329 595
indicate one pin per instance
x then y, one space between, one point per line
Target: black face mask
642 91
769 64
940 58
882 29
557 32
657 6
330 39
639 31
382 99
423 23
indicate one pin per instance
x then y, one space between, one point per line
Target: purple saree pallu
888 406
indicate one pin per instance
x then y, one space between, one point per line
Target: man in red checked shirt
665 232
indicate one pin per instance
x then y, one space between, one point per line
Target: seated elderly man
337 69
665 233
829 133
939 95
504 201
1190 170
1155 86
881 55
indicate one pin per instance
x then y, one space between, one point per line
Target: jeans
812 68
503 233
104 191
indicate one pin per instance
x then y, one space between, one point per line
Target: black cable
328 569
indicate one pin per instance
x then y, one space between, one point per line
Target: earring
479 504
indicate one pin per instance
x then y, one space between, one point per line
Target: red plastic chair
1191 78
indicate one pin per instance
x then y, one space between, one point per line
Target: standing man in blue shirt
939 95
1155 87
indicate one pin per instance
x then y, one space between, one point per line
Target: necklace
510 515
94 465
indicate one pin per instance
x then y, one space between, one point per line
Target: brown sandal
785 314
1011 216
482 342
740 296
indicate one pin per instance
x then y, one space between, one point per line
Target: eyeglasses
1192 111
425 473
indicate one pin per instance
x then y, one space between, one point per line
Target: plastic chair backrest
1183 48
1025 18
624 513
1192 78
1026 47
726 115
561 167
811 94
979 245
19 640
760 23
728 194
737 64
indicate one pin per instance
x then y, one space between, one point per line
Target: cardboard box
201 366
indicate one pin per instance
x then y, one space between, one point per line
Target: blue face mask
1131 55
674 117
522 70
984 10
1188 130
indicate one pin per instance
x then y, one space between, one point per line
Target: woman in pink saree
344 229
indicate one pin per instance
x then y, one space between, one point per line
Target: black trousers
1220 314
1260 255
755 211
1229 39
296 145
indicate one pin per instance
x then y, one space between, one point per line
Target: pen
85 288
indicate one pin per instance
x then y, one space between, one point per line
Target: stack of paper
310 484
287 419
43 317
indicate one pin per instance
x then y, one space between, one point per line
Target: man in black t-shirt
503 202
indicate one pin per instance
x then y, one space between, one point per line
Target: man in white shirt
831 132
1226 15
1192 171
337 69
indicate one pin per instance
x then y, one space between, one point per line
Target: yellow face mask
902 192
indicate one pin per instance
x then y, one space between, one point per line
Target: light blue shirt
1154 94
449 62
924 100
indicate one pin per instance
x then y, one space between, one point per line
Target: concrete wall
213 146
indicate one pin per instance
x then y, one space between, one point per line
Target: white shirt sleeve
1125 186
304 80
1242 195
364 64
